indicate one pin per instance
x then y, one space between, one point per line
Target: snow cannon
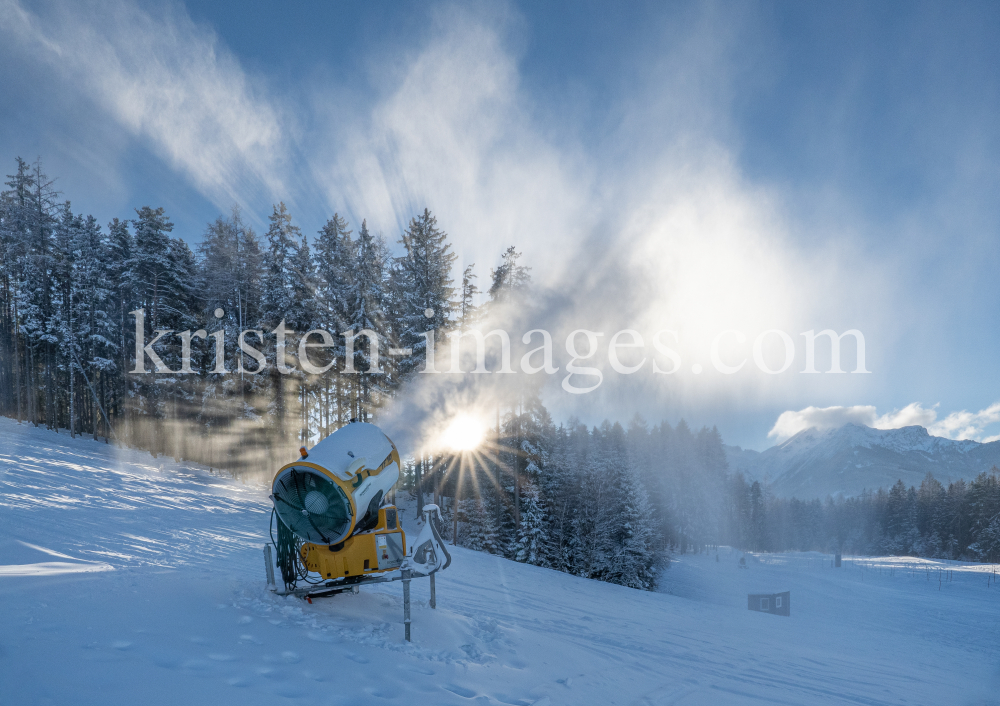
334 526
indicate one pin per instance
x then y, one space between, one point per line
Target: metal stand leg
269 566
406 603
433 593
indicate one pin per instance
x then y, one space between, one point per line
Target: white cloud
968 425
451 132
791 422
957 425
910 415
168 81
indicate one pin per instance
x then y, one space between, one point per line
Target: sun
463 433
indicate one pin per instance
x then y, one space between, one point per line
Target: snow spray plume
667 238
210 435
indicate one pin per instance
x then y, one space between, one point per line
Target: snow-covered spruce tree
62 326
366 296
560 485
690 491
423 285
640 444
532 534
36 216
422 292
479 528
179 311
277 302
304 317
120 248
713 469
626 553
95 327
10 388
984 515
468 312
509 278
151 264
334 256
584 542
230 277
529 431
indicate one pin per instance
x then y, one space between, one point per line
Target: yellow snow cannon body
329 504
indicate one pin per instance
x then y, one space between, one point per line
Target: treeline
71 292
604 503
613 504
960 521
607 502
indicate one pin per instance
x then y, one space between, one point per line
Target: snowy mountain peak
911 438
854 457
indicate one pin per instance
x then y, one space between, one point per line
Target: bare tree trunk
436 477
17 365
418 469
519 461
454 506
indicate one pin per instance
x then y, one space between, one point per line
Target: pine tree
120 249
532 536
335 257
35 218
151 264
277 303
366 311
468 312
423 285
304 317
480 533
509 279
231 276
95 328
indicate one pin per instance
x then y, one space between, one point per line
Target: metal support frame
406 603
332 588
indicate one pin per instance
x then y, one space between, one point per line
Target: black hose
286 550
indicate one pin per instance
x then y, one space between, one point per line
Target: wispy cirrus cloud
451 129
653 225
165 80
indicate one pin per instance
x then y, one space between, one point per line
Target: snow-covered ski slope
122 582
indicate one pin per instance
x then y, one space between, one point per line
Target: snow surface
124 582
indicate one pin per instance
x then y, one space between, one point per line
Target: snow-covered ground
122 582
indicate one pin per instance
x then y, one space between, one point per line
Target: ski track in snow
148 587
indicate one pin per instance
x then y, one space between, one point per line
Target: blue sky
752 166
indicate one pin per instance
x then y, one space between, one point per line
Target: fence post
433 592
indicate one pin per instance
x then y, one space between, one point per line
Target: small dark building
773 603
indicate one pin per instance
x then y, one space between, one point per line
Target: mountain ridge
847 460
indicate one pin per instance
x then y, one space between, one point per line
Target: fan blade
307 514
282 498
